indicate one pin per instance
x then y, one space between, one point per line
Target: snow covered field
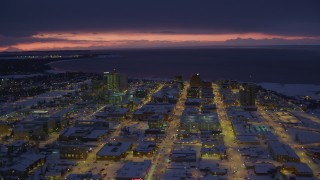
297 90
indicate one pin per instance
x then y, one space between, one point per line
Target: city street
90 164
160 162
287 139
236 169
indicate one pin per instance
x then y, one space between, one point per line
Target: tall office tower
112 80
195 80
116 81
248 95
123 82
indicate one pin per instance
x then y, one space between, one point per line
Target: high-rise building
123 82
116 84
116 81
112 81
195 80
248 95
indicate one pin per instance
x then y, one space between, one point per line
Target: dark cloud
9 41
281 17
273 41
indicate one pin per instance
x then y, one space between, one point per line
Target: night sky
101 24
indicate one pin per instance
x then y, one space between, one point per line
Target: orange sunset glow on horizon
85 40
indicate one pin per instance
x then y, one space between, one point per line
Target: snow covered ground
19 76
297 90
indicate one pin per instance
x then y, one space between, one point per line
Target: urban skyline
166 90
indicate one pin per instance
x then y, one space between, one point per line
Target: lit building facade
116 82
116 86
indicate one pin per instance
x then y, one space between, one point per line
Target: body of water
280 64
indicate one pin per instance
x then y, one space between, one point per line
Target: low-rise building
114 151
156 122
20 166
113 113
73 150
166 95
48 124
178 171
183 155
313 151
248 140
60 118
212 168
93 130
193 102
134 170
53 175
264 168
145 149
254 152
214 151
299 169
282 152
84 176
83 134
29 131
200 122
208 108
144 113
18 147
